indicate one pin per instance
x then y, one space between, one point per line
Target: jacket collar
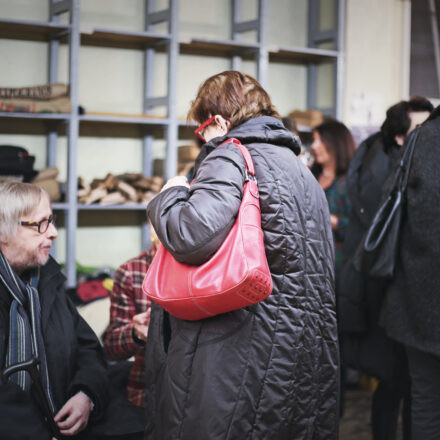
264 129
51 280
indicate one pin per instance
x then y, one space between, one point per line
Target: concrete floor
355 425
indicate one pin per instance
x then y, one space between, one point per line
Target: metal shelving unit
74 125
147 126
312 56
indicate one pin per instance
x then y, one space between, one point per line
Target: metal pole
72 135
172 128
340 62
236 61
435 40
149 56
54 46
263 53
147 141
312 68
406 48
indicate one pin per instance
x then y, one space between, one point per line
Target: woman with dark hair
268 371
333 147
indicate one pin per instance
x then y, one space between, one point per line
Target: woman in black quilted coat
269 371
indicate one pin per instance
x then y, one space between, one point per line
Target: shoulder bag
376 256
236 276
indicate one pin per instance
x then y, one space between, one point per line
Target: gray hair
17 199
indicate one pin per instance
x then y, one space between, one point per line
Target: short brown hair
233 95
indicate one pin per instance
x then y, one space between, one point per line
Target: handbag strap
407 157
246 155
401 173
395 196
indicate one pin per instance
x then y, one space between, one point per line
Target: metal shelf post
153 17
263 53
172 128
316 37
73 133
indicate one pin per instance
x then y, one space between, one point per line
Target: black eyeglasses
42 225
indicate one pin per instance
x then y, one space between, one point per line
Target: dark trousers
424 369
385 410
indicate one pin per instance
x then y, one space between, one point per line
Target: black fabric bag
16 161
376 255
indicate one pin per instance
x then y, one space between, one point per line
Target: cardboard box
308 118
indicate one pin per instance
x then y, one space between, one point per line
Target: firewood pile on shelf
123 188
133 187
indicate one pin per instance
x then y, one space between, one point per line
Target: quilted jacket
269 371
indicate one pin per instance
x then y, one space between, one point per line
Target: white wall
111 81
374 64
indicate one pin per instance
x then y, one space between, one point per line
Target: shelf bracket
153 102
245 26
158 17
60 6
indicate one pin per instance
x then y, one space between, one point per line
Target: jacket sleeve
91 368
118 339
192 223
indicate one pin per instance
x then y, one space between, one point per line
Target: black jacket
366 346
412 304
269 371
369 169
74 356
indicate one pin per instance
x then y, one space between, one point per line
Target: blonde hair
17 199
233 95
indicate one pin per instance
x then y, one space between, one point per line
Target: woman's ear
222 123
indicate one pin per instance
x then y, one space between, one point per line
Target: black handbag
376 255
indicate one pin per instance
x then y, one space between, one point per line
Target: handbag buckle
249 177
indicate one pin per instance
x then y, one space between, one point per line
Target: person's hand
74 415
334 221
176 181
140 324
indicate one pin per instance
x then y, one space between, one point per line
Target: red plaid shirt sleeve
127 300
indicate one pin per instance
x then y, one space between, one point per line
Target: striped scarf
25 337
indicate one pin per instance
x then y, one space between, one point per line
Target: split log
113 198
127 191
95 195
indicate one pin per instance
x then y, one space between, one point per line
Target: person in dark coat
268 371
333 147
411 310
366 346
37 320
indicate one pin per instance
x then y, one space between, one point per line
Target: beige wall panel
373 53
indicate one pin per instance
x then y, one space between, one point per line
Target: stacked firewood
124 188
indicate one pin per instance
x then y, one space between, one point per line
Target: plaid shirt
127 300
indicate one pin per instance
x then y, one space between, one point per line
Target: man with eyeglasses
53 372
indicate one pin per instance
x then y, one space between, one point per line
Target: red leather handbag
236 276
